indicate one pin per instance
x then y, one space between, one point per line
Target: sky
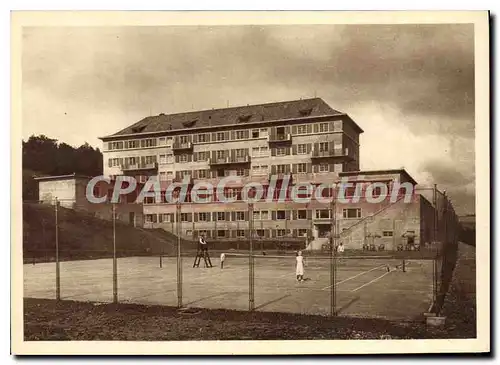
409 87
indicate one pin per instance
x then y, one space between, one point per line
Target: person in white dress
299 270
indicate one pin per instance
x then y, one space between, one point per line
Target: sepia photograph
239 177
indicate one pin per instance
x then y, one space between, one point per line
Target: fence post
115 271
251 285
179 259
58 272
333 259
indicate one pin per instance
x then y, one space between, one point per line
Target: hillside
82 236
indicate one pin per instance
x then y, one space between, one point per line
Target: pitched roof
234 115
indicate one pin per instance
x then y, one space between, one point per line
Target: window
162 141
221 154
323 214
221 172
240 216
149 200
184 217
115 145
203 217
302 214
115 162
221 233
280 151
220 136
352 213
282 169
264 151
240 233
301 168
150 142
202 138
202 232
202 156
151 218
132 144
337 167
149 160
166 217
203 174
280 233
183 158
323 146
302 232
280 214
302 129
323 127
264 215
387 234
163 159
323 167
302 149
260 233
170 175
255 151
255 133
240 152
264 169
184 139
170 158
221 216
189 232
163 176
263 132
169 140
240 134
240 172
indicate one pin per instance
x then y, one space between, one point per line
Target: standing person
204 251
299 270
222 258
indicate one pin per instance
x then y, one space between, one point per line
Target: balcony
139 166
337 153
182 147
279 138
229 161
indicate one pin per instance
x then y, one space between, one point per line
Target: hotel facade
295 142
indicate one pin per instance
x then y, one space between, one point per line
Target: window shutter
287 168
315 168
316 147
308 168
287 151
287 214
233 216
316 127
245 215
214 215
214 136
246 134
226 135
213 174
294 168
195 234
228 216
195 138
176 158
190 158
331 167
287 130
247 172
214 233
214 155
273 233
266 233
294 129
233 135
233 155
309 128
109 162
294 214
294 149
195 156
209 217
309 214
331 146
233 233
273 169
207 137
295 232
332 126
190 217
273 151
273 215
195 217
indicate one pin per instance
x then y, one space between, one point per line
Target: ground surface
364 287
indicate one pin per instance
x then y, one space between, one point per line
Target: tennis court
368 287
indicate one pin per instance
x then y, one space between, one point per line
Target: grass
46 319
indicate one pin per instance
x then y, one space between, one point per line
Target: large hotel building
306 140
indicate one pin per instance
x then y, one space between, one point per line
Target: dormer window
244 118
189 124
305 112
138 129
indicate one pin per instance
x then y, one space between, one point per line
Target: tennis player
299 270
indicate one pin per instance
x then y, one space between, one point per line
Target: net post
251 284
115 271
58 271
179 259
